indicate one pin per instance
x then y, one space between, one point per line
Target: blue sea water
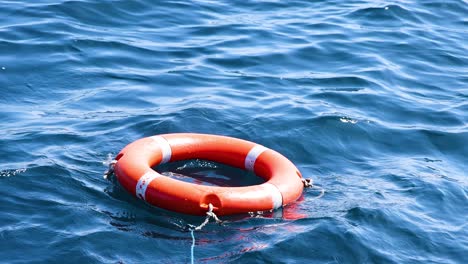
367 98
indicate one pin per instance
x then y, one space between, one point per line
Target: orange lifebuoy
133 170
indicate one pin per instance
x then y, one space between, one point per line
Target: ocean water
367 98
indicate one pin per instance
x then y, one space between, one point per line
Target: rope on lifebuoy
307 182
210 214
110 170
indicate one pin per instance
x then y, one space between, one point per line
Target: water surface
368 98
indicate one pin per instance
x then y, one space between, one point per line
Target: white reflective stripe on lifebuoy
165 148
252 156
276 195
144 182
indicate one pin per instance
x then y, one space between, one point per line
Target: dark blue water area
209 173
368 98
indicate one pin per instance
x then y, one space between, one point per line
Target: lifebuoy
134 171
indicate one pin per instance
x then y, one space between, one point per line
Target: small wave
395 13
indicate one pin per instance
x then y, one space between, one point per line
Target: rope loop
110 170
322 191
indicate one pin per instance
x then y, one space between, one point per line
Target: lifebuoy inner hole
210 173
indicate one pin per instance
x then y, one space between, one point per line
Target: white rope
192 248
110 170
322 191
309 184
210 214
